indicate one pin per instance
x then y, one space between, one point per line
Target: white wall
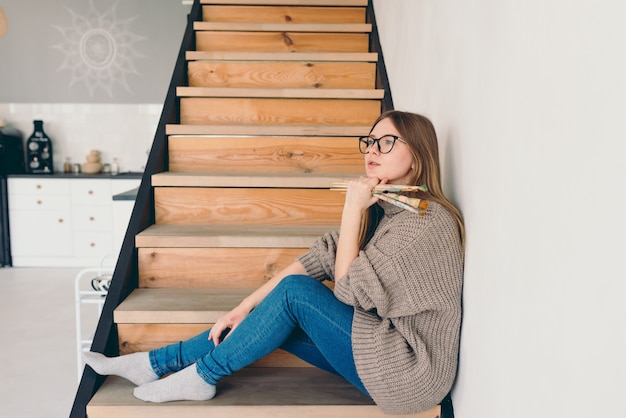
528 98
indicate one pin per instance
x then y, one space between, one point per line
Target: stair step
283 27
303 181
281 56
281 41
251 393
213 267
178 306
152 318
247 111
268 130
283 75
283 14
329 3
203 236
258 155
246 206
286 93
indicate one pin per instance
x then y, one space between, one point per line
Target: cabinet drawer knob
38 186
61 220
93 244
39 202
90 192
91 218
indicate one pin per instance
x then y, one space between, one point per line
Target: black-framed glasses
385 143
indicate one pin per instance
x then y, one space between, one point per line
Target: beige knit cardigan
406 288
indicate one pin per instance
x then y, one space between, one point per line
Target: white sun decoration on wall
99 50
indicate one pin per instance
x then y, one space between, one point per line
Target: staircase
269 97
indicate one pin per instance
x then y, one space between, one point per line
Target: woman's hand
358 199
359 193
232 319
229 321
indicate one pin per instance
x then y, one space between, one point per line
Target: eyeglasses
385 143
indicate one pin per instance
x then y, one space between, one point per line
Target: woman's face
396 165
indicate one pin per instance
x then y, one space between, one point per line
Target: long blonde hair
419 134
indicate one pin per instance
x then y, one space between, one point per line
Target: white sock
134 367
185 385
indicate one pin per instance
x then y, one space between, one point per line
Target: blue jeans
301 316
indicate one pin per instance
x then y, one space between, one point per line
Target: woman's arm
233 318
358 199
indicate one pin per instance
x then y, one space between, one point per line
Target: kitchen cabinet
66 221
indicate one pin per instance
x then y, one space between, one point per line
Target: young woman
390 326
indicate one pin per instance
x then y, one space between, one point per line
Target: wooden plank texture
324 75
277 181
246 206
258 155
201 236
238 268
281 42
283 27
268 130
174 306
282 56
285 392
236 111
288 93
283 14
329 3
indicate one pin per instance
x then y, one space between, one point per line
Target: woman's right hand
359 193
230 321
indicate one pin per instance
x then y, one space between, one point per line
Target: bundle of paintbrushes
393 194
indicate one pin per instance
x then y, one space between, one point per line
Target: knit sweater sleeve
319 261
401 271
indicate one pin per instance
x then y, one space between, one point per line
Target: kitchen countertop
127 195
123 175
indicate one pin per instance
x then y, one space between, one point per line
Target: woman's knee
299 282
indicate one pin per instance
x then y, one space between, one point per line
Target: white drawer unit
39 186
87 192
92 244
65 221
92 218
40 233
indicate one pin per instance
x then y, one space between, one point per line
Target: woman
390 326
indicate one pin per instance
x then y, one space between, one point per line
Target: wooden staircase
276 92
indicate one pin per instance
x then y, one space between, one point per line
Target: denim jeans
301 316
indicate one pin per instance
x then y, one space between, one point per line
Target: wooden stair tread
202 236
329 3
281 56
304 93
281 392
264 130
178 306
190 179
283 27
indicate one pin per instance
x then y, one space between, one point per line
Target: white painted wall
529 100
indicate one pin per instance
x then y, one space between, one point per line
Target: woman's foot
185 385
134 367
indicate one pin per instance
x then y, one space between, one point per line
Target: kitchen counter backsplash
121 131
